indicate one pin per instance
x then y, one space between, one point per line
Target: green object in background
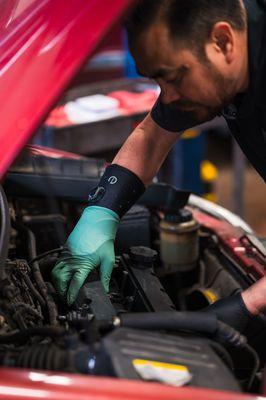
91 244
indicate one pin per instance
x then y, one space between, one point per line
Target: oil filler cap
143 255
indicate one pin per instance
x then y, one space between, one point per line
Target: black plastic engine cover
123 346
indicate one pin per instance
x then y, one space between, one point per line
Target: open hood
43 43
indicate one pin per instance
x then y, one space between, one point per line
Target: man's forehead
157 55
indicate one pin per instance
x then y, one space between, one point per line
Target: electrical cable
15 336
255 357
34 291
46 253
31 242
225 356
4 232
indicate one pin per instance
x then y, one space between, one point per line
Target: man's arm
255 297
145 150
91 243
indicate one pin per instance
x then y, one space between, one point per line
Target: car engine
154 323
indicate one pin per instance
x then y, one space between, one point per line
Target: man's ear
222 39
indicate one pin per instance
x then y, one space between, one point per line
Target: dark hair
190 21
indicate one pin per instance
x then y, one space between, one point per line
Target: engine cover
123 346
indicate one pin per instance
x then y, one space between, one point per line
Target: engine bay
154 323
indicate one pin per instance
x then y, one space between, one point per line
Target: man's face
187 82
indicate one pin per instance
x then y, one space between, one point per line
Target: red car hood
26 385
43 43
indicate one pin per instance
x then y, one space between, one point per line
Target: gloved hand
91 244
233 311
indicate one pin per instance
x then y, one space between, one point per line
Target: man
209 58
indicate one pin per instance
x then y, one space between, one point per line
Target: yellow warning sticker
171 374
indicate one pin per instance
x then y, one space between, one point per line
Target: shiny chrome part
219 212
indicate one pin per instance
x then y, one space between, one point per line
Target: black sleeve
118 189
170 119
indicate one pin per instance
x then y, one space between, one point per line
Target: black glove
234 312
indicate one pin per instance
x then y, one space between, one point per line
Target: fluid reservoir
179 242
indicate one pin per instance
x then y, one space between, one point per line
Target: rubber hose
171 321
200 322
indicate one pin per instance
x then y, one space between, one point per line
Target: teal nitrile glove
91 244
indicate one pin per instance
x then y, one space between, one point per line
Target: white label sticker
170 374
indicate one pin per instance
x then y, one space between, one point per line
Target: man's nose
169 94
